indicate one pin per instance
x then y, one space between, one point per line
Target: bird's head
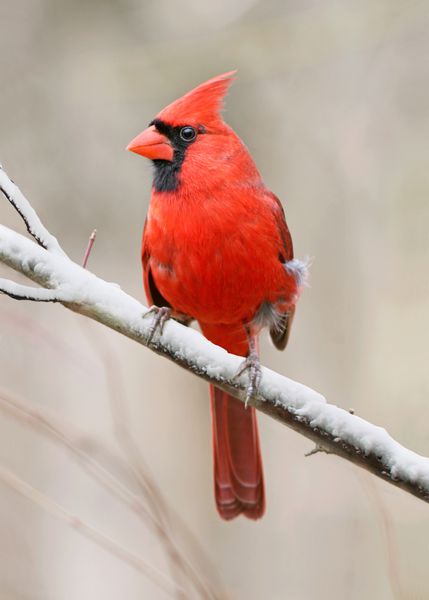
189 137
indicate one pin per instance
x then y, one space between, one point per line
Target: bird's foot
253 366
161 316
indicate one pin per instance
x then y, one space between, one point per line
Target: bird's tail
238 473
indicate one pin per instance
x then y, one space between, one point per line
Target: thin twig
316 450
89 248
102 540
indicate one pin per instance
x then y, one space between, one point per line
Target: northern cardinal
216 248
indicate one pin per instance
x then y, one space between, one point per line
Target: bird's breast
216 259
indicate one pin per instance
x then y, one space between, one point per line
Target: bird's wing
280 333
153 295
280 219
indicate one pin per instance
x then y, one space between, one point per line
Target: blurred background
332 100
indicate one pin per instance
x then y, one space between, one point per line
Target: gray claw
162 314
251 364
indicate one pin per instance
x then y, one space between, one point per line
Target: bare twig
294 404
317 448
89 248
102 540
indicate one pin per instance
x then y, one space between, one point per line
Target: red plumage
201 105
216 249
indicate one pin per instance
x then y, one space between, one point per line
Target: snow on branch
334 430
26 292
34 225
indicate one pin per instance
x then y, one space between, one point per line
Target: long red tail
238 474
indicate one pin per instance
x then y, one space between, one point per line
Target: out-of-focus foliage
332 100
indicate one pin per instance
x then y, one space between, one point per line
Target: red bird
216 248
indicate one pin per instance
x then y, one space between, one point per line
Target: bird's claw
161 316
253 366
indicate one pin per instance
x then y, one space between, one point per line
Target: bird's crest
202 105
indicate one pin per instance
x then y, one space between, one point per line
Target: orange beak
152 144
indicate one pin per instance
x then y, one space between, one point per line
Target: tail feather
238 473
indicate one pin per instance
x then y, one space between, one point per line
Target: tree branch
295 405
25 292
34 225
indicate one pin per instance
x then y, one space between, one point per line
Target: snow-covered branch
34 225
333 429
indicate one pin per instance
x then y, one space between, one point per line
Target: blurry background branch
150 509
333 429
105 542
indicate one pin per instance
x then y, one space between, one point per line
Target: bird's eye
188 134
